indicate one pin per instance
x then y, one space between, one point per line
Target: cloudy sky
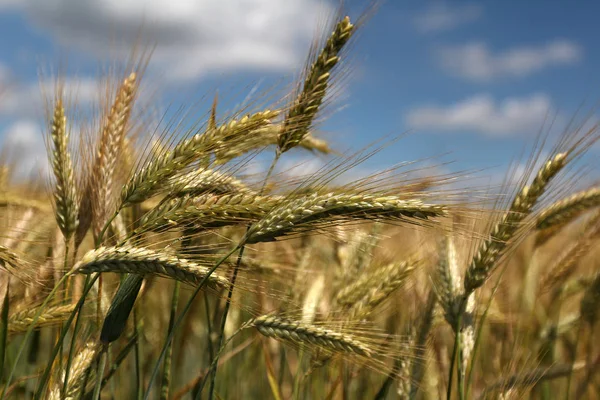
475 80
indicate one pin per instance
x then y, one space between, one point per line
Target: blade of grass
4 329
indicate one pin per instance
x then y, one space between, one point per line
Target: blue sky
476 79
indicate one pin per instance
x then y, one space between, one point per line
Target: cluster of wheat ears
161 271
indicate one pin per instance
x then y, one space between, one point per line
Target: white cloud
485 115
28 100
191 37
24 143
475 61
442 17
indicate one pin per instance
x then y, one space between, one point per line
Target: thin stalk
296 390
105 228
116 364
213 365
182 315
208 327
570 377
232 284
166 380
223 322
72 346
137 352
68 364
456 348
46 374
101 367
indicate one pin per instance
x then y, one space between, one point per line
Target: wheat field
150 265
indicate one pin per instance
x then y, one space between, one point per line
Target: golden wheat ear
65 194
301 114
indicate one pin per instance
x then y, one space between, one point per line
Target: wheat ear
80 366
557 215
203 181
65 194
20 321
111 145
309 335
141 261
207 211
319 208
148 180
377 294
300 116
492 249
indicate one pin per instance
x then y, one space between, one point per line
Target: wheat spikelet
309 335
141 261
80 365
317 208
491 249
300 116
146 182
20 321
557 215
65 195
